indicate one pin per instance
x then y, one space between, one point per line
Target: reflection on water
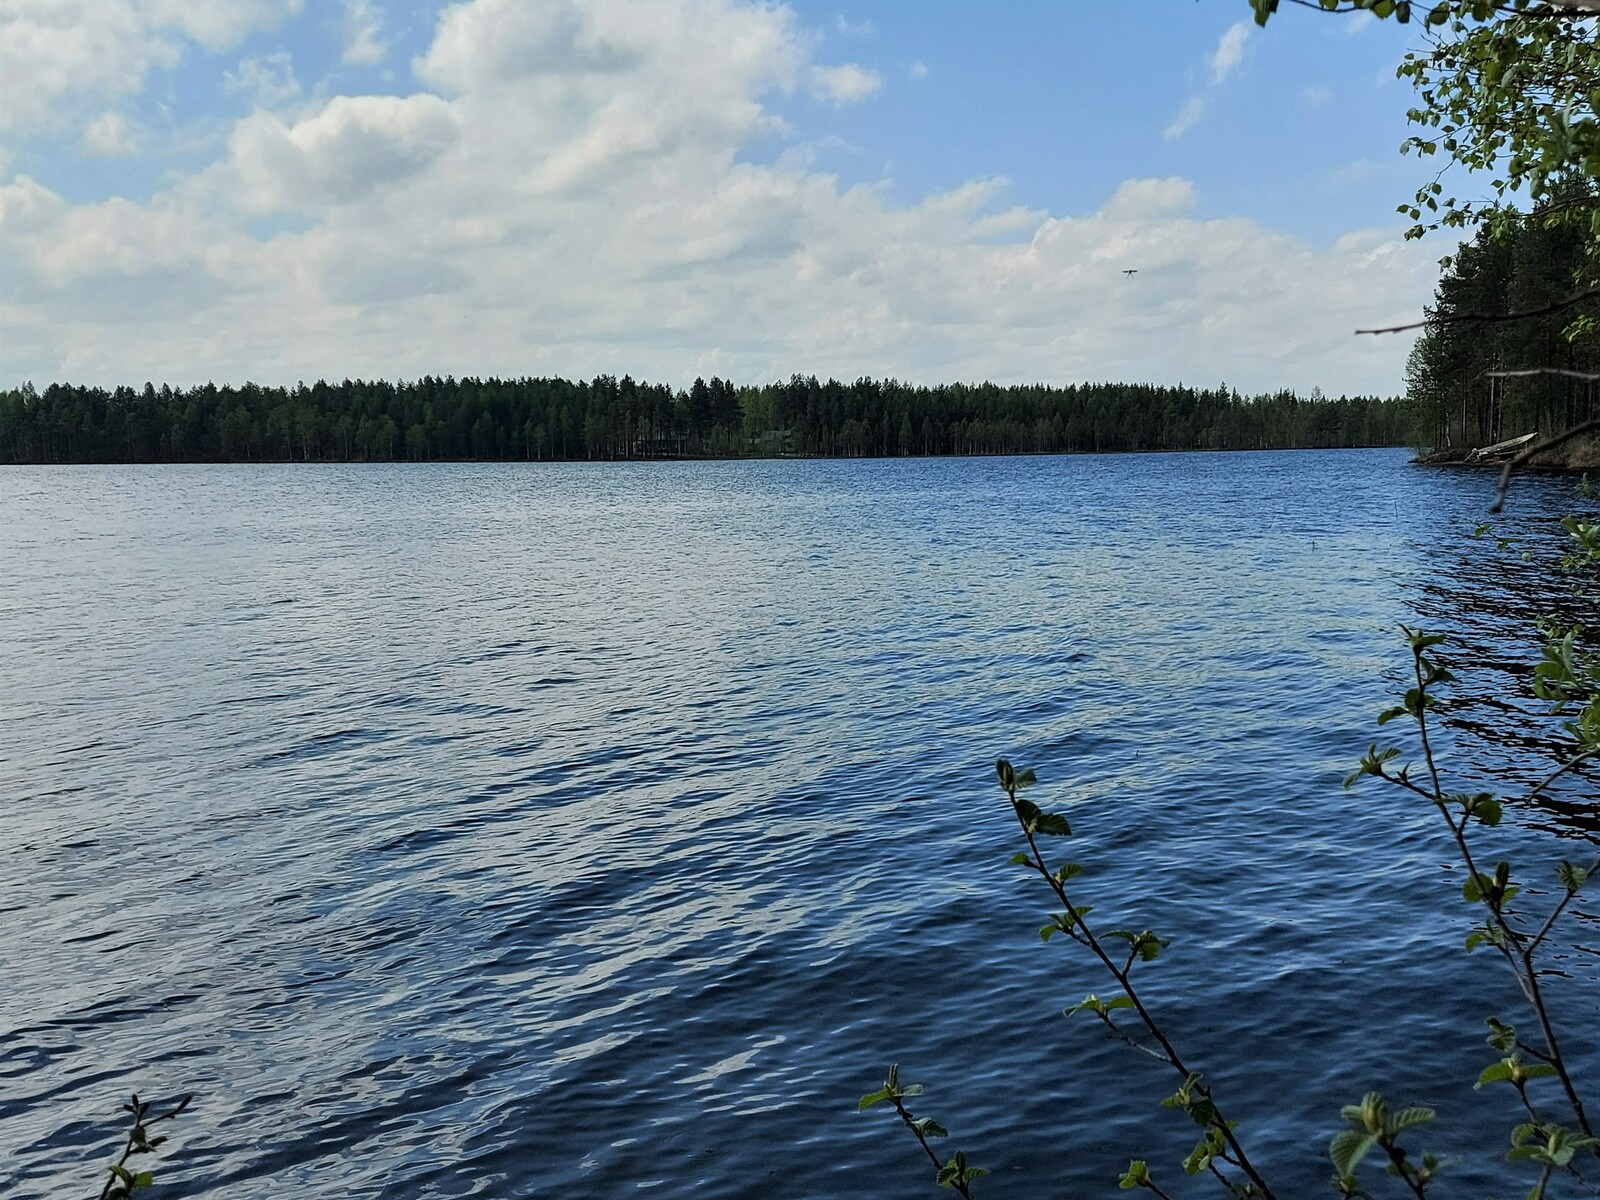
587 829
1488 593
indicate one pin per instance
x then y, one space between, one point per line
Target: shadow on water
1488 593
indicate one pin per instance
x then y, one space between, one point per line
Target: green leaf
1410 1118
871 1098
1052 825
1481 807
1502 1037
1572 877
1209 1146
1137 1175
1349 1148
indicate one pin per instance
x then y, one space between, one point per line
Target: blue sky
277 189
1068 100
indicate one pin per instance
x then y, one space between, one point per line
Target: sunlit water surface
593 830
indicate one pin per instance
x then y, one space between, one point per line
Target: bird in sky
1131 272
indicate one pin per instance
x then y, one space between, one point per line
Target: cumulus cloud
844 84
918 70
56 56
576 194
351 147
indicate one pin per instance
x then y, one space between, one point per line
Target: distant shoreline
606 418
717 458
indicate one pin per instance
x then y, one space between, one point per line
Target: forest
1453 378
611 418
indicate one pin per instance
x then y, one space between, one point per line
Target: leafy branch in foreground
1554 1134
123 1181
1219 1150
1375 1127
954 1172
1543 1139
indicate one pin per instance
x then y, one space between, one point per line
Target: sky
283 190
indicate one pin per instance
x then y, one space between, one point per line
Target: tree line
609 418
1453 377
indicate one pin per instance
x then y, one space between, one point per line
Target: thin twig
1223 1126
1556 912
137 1142
1123 1035
905 1115
1527 976
1543 310
1562 770
1525 372
1403 1169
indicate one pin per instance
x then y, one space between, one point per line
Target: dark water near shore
592 831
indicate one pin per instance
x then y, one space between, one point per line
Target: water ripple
600 829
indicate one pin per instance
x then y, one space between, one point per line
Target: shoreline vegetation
607 418
1577 457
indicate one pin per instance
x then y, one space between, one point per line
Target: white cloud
1188 117
1152 199
844 84
59 56
352 147
110 135
215 24
1225 59
26 207
581 199
268 81
1317 95
858 29
1222 62
917 70
363 28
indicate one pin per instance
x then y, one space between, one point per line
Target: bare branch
1587 376
1545 310
1522 457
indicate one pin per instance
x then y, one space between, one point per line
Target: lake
592 830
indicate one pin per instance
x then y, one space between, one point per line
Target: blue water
600 830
